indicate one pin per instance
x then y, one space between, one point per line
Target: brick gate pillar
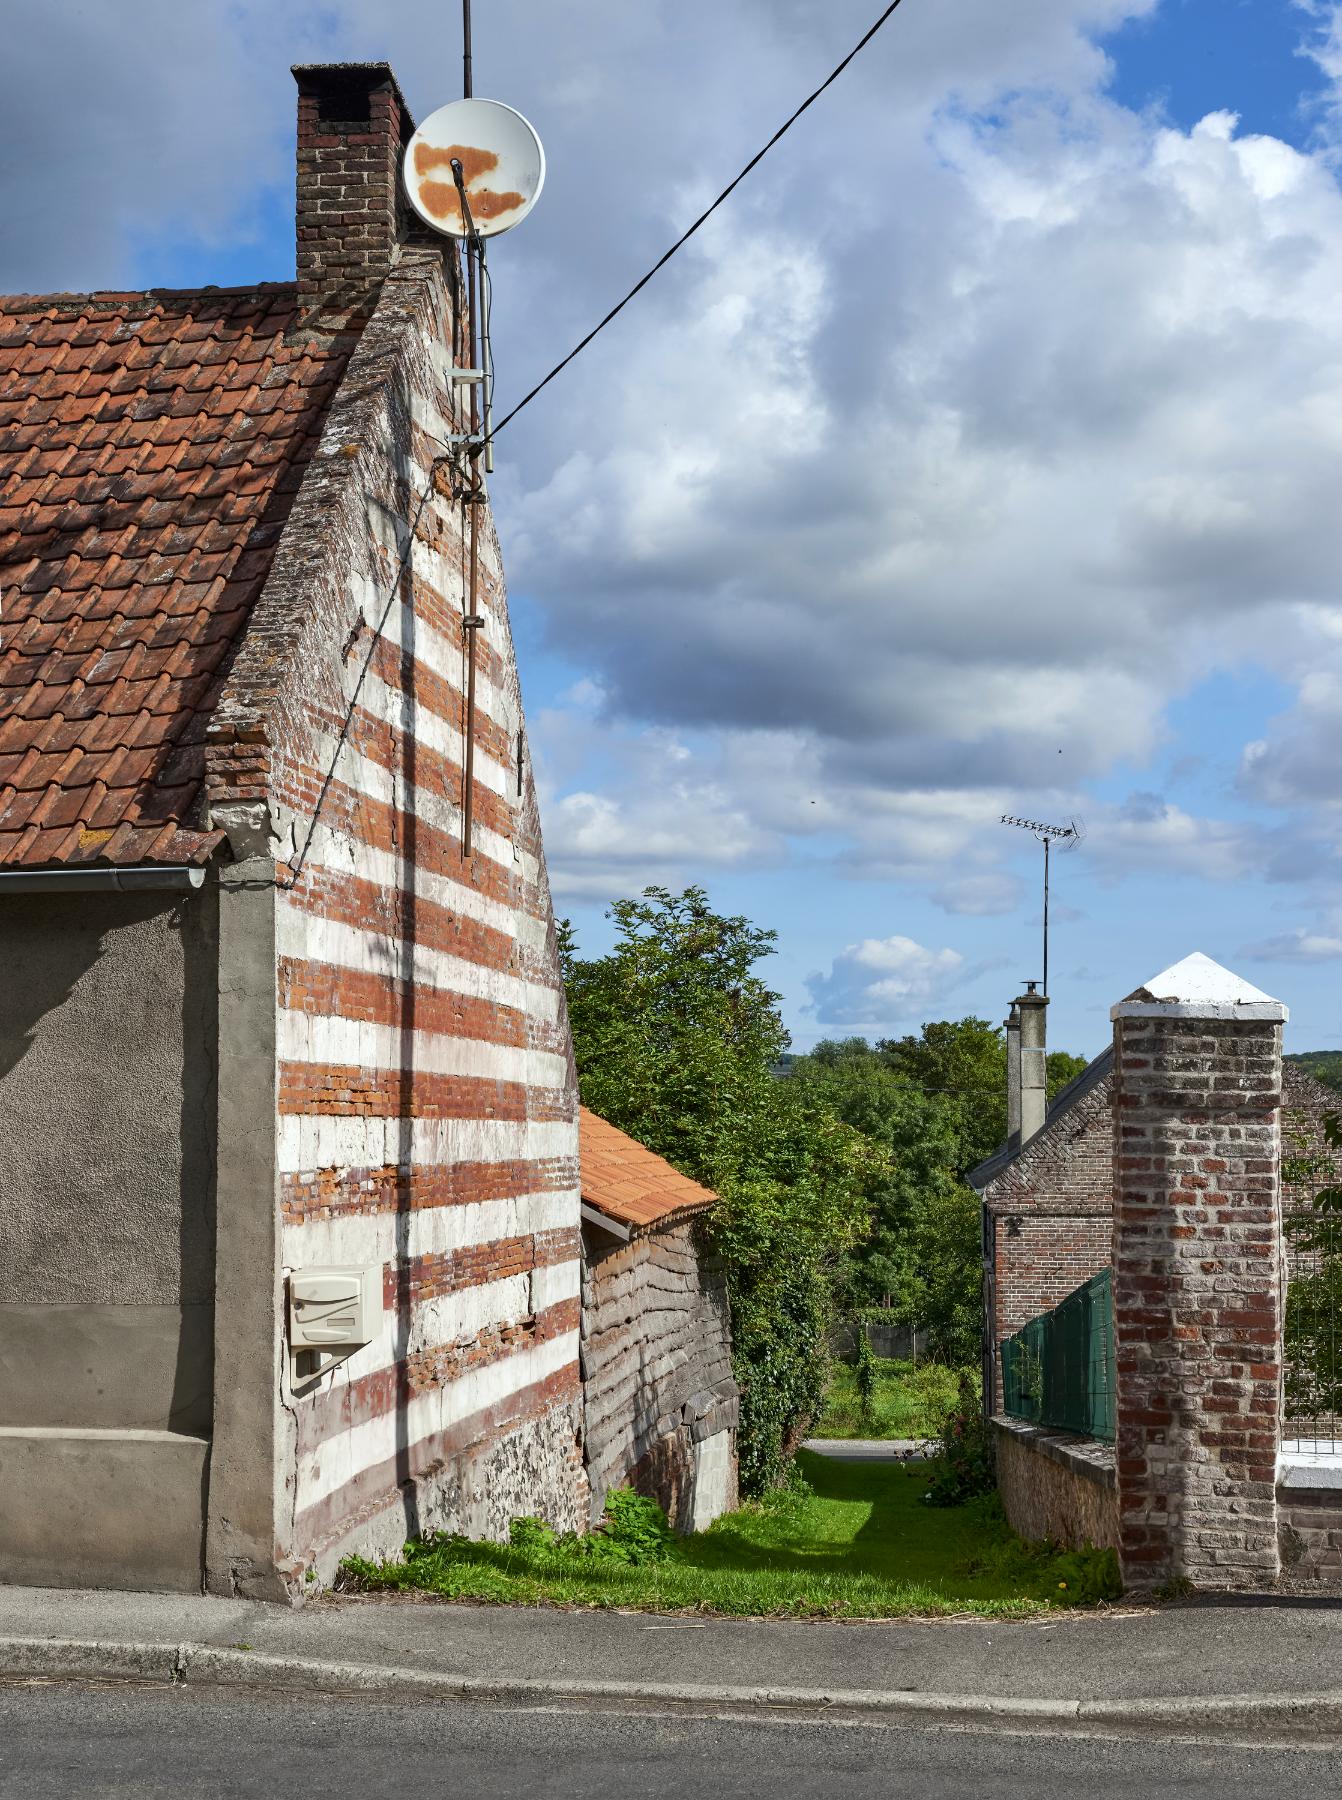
1198 1280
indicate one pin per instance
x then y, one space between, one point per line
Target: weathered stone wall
1309 1535
656 1355
1056 1486
1197 1294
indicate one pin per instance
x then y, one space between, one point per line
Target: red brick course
425 1277
331 991
342 1091
372 1193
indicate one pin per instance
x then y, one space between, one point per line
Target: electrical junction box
335 1308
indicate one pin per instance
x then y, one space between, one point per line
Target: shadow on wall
51 943
107 1100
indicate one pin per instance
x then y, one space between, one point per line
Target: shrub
964 1466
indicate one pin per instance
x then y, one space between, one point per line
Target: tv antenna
1065 836
473 170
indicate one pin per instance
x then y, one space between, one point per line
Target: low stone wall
1056 1486
1309 1519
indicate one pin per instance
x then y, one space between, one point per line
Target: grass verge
850 1541
911 1401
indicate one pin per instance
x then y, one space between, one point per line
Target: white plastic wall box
335 1307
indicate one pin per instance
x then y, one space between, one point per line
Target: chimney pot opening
345 103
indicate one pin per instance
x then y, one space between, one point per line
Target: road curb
210 1665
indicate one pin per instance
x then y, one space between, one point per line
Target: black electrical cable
707 214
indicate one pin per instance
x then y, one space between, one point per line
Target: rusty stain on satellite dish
441 197
502 167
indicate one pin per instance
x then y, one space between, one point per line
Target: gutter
97 880
603 1222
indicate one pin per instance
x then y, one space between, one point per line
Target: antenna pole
467 84
472 620
1045 834
1046 842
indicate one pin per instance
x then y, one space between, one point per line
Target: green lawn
911 1401
857 1540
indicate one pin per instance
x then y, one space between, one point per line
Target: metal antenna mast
497 163
1047 835
472 621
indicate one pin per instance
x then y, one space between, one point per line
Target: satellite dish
502 167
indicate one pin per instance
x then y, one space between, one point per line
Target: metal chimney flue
1013 1077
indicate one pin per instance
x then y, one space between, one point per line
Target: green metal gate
1059 1369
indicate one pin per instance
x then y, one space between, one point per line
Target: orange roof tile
630 1183
150 449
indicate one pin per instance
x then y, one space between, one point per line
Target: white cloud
1298 946
980 896
884 981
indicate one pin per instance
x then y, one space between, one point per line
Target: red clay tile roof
630 1183
150 449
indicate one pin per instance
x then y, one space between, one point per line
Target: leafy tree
1323 1065
676 1039
1060 1067
937 1103
964 1062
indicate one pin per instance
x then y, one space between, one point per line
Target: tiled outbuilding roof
150 449
627 1182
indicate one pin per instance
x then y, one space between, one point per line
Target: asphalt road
116 1740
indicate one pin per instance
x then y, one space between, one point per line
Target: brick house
1048 1193
661 1401
264 1015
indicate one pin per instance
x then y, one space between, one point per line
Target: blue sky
982 457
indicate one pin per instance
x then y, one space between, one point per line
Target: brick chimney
353 125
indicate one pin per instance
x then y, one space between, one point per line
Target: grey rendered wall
107 1045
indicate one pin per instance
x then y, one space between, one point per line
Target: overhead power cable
704 216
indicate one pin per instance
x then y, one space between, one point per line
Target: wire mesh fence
1312 1229
1059 1369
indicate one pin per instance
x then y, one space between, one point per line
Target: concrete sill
1298 1467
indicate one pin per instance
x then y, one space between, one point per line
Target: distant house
277 1057
1048 1192
661 1402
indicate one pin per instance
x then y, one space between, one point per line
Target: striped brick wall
425 1089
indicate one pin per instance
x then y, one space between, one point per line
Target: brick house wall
1048 1213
